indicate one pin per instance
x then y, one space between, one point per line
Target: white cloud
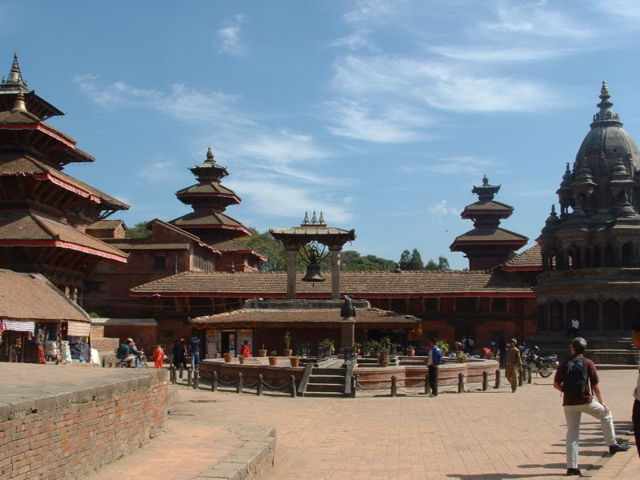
512 54
438 84
441 209
364 121
276 198
158 171
466 164
229 37
179 101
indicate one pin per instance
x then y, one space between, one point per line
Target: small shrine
487 245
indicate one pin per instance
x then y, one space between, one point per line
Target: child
158 356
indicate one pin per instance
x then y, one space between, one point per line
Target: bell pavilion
591 247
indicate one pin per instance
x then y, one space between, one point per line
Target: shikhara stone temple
194 275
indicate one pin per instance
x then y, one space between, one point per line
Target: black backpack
575 378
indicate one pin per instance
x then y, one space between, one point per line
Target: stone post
292 252
335 272
347 333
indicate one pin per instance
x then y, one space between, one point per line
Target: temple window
630 312
628 255
159 264
611 316
591 312
609 256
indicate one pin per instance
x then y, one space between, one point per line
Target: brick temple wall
69 434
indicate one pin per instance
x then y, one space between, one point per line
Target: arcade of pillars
619 255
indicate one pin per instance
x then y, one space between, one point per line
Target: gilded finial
321 219
604 90
19 105
313 218
485 180
210 155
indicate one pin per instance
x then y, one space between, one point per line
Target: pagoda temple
487 245
591 249
43 211
209 199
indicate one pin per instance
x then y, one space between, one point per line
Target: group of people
183 350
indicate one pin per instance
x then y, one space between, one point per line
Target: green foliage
385 344
443 345
352 261
443 264
431 265
329 342
371 347
287 340
266 245
273 353
139 230
411 260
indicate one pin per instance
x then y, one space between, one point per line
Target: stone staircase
326 382
617 351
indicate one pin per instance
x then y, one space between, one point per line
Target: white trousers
573 413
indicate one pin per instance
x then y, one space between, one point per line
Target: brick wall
70 434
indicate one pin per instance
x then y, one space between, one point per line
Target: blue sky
382 114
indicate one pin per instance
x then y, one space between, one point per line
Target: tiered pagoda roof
487 245
209 199
43 211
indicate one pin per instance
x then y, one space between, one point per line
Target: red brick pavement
477 435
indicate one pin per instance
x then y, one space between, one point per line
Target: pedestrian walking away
434 359
635 336
194 345
577 379
514 364
158 356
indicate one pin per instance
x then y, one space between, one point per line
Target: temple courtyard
477 435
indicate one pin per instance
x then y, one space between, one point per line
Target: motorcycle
544 365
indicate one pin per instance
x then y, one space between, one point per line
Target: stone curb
247 461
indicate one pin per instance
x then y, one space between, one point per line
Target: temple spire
15 75
606 114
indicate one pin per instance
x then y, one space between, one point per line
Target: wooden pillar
600 321
335 273
620 314
292 253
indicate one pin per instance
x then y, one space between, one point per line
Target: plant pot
241 358
288 352
273 360
295 361
227 357
411 352
216 354
262 353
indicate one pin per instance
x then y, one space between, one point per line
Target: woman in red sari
158 356
245 350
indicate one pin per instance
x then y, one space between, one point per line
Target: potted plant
262 352
358 347
295 361
227 357
372 348
411 351
216 354
273 359
329 342
287 344
463 357
385 350
241 358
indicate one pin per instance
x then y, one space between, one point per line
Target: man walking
514 364
577 379
434 359
635 337
194 345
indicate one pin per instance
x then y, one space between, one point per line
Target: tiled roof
31 297
179 231
321 316
487 206
21 164
311 230
358 284
106 225
207 219
235 246
496 235
149 246
530 259
20 228
206 188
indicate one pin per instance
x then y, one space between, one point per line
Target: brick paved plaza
478 435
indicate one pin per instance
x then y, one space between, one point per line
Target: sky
382 114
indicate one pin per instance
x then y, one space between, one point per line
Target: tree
405 260
352 261
139 230
431 265
266 245
443 263
416 260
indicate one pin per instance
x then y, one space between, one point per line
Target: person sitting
125 355
136 353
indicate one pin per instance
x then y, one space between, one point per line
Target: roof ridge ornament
606 114
19 105
210 157
306 218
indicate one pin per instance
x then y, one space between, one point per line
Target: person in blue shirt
433 366
194 345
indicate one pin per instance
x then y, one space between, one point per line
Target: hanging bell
313 273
